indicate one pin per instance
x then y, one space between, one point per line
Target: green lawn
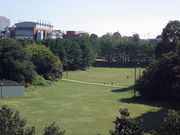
83 109
119 76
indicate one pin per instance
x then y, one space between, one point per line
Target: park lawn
117 76
82 109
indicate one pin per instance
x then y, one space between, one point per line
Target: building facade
74 34
32 30
4 22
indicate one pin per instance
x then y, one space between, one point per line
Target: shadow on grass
122 89
153 119
151 102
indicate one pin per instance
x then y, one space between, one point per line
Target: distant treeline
110 50
27 61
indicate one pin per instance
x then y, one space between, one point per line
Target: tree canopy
15 61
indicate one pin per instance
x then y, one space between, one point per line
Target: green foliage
170 37
107 48
86 51
47 64
40 81
94 39
53 130
171 124
161 78
126 125
12 124
75 54
15 62
126 50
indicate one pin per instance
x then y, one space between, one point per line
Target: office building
4 22
32 30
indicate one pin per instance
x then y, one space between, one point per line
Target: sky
145 17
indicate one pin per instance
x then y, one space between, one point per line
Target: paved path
92 83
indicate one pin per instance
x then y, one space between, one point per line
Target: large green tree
161 78
170 37
15 61
47 64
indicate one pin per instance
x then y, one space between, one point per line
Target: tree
107 48
15 62
161 79
74 55
170 36
94 39
126 125
57 47
53 130
47 64
12 124
87 51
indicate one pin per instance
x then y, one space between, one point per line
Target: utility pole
66 68
134 80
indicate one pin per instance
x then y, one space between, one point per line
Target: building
4 22
32 30
73 34
11 89
55 34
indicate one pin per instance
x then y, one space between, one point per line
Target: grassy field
83 109
119 76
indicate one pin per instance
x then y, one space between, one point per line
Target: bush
12 124
47 64
126 125
53 130
161 79
40 81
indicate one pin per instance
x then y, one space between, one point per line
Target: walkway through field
92 83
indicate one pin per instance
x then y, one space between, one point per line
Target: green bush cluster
24 62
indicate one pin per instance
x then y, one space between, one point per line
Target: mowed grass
117 76
83 109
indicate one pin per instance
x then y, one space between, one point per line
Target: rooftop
9 83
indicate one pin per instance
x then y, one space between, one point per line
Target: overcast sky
146 17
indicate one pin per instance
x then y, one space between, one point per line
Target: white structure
11 89
4 22
55 34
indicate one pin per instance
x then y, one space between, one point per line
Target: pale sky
96 16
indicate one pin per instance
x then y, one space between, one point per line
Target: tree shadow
123 89
151 102
152 120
